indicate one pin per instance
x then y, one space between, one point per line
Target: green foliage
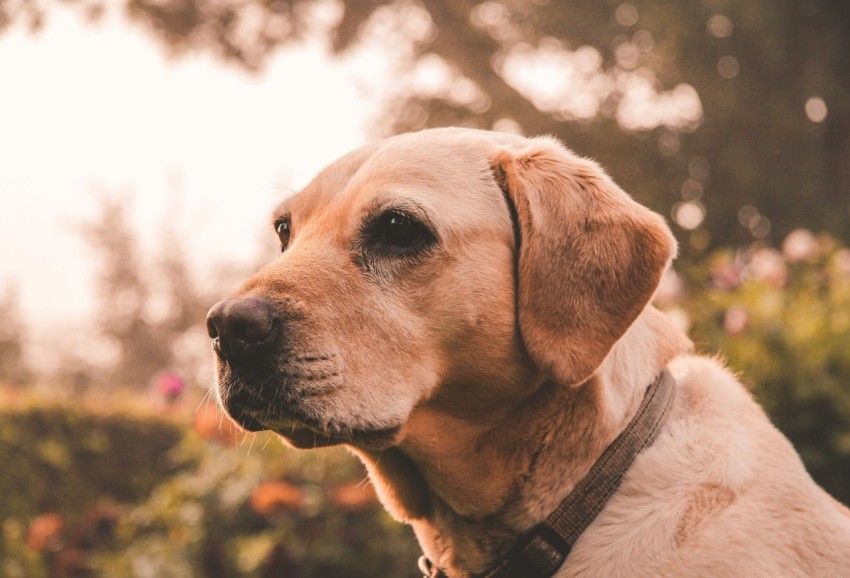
65 458
69 460
269 511
141 496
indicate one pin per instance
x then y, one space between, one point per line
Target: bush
65 458
66 464
267 512
119 495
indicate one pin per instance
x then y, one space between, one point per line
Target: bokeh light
816 109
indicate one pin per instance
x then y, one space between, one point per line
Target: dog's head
448 268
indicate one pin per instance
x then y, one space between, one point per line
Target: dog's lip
296 433
305 438
255 422
249 422
303 432
302 435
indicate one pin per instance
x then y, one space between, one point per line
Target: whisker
207 399
253 439
268 441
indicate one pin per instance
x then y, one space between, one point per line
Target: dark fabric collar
540 552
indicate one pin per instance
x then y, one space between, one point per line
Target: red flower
272 498
46 532
211 423
353 497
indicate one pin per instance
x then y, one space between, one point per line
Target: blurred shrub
262 512
782 319
66 469
122 495
66 458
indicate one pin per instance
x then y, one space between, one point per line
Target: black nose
237 323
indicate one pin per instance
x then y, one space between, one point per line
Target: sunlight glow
728 67
689 215
626 15
99 110
720 26
568 83
816 109
571 84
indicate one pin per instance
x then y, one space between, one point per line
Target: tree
13 366
145 307
732 116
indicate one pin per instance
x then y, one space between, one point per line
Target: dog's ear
588 257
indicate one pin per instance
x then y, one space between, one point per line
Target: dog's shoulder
720 488
727 441
718 420
718 436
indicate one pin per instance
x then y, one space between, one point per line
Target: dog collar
543 549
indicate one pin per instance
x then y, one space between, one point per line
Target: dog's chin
302 437
298 425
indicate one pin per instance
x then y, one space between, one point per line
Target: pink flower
726 277
170 386
735 321
800 245
767 265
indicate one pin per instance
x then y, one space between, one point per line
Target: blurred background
143 144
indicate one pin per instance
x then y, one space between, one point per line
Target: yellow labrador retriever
468 311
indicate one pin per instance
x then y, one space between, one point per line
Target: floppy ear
589 257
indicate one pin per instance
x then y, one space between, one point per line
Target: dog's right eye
400 233
283 229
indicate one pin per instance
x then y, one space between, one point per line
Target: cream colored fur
508 371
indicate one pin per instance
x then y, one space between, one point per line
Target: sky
89 110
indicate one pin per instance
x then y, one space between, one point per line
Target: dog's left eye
400 232
283 229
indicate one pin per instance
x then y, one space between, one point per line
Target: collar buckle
538 554
428 569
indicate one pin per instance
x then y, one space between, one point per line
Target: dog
469 312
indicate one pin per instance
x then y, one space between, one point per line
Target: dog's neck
469 488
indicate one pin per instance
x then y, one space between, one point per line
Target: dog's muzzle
241 331
264 384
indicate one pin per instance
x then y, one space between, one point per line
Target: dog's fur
480 378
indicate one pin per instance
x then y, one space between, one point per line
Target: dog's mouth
291 395
300 428
303 436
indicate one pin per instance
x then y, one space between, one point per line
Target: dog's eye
282 228
400 232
